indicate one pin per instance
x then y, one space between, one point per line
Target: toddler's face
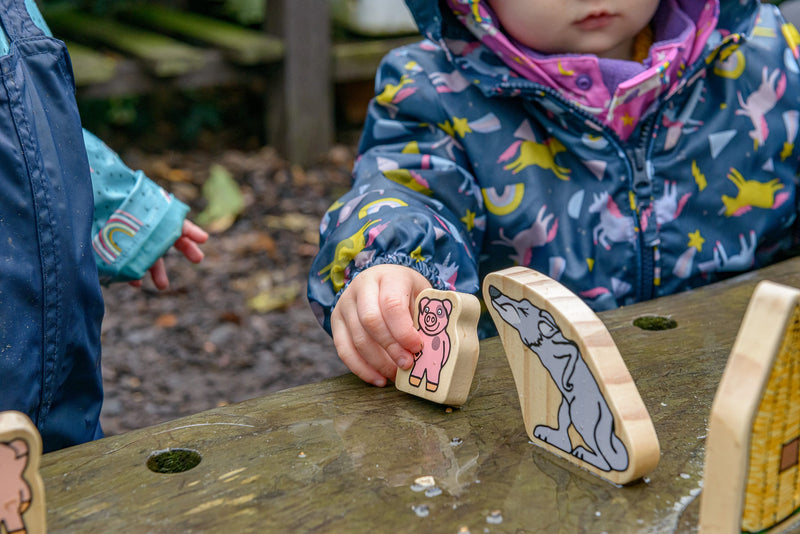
603 27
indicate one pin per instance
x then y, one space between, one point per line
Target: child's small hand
372 324
191 236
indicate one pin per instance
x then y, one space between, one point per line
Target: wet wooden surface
341 456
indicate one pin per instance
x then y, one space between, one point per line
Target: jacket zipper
636 156
642 185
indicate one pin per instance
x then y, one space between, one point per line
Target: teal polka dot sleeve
135 220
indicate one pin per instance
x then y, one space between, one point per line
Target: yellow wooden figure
752 477
577 397
444 368
21 488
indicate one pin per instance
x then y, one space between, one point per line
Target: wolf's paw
580 452
589 457
553 436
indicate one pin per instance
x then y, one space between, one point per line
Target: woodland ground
238 325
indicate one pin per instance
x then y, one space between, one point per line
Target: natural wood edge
736 405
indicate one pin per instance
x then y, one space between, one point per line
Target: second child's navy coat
50 300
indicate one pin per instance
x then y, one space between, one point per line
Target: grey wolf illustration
582 404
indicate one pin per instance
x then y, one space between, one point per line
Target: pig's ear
423 302
20 447
448 305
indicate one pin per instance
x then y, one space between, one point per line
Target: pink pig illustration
434 315
15 493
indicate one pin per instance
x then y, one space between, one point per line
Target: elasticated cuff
139 232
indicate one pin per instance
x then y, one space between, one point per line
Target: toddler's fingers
397 305
368 349
189 249
352 357
372 302
158 272
194 232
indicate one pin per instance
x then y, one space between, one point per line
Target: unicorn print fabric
622 180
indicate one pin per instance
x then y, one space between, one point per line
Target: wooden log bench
142 48
342 456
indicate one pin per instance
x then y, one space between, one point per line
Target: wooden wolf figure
570 377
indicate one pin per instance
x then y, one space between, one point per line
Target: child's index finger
401 327
194 232
396 311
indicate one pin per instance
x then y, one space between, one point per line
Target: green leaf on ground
225 200
277 298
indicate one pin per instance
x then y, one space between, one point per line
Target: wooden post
300 118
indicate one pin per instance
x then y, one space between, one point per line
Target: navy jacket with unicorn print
623 181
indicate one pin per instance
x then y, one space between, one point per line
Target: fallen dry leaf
167 320
277 298
225 200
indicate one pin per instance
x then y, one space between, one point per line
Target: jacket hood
617 93
436 21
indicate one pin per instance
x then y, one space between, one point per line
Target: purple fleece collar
616 92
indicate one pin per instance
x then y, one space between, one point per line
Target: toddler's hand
191 236
372 325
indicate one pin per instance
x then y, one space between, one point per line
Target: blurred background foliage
190 118
245 12
200 118
205 119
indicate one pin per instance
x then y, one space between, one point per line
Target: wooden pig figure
22 507
751 481
444 367
577 398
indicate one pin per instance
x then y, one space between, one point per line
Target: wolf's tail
611 448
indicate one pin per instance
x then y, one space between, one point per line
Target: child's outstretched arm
135 221
372 326
412 219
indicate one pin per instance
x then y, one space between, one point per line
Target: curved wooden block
577 397
21 487
444 368
751 481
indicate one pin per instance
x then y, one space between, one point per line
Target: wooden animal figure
21 488
577 397
751 481
444 367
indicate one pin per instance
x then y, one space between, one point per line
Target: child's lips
595 21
